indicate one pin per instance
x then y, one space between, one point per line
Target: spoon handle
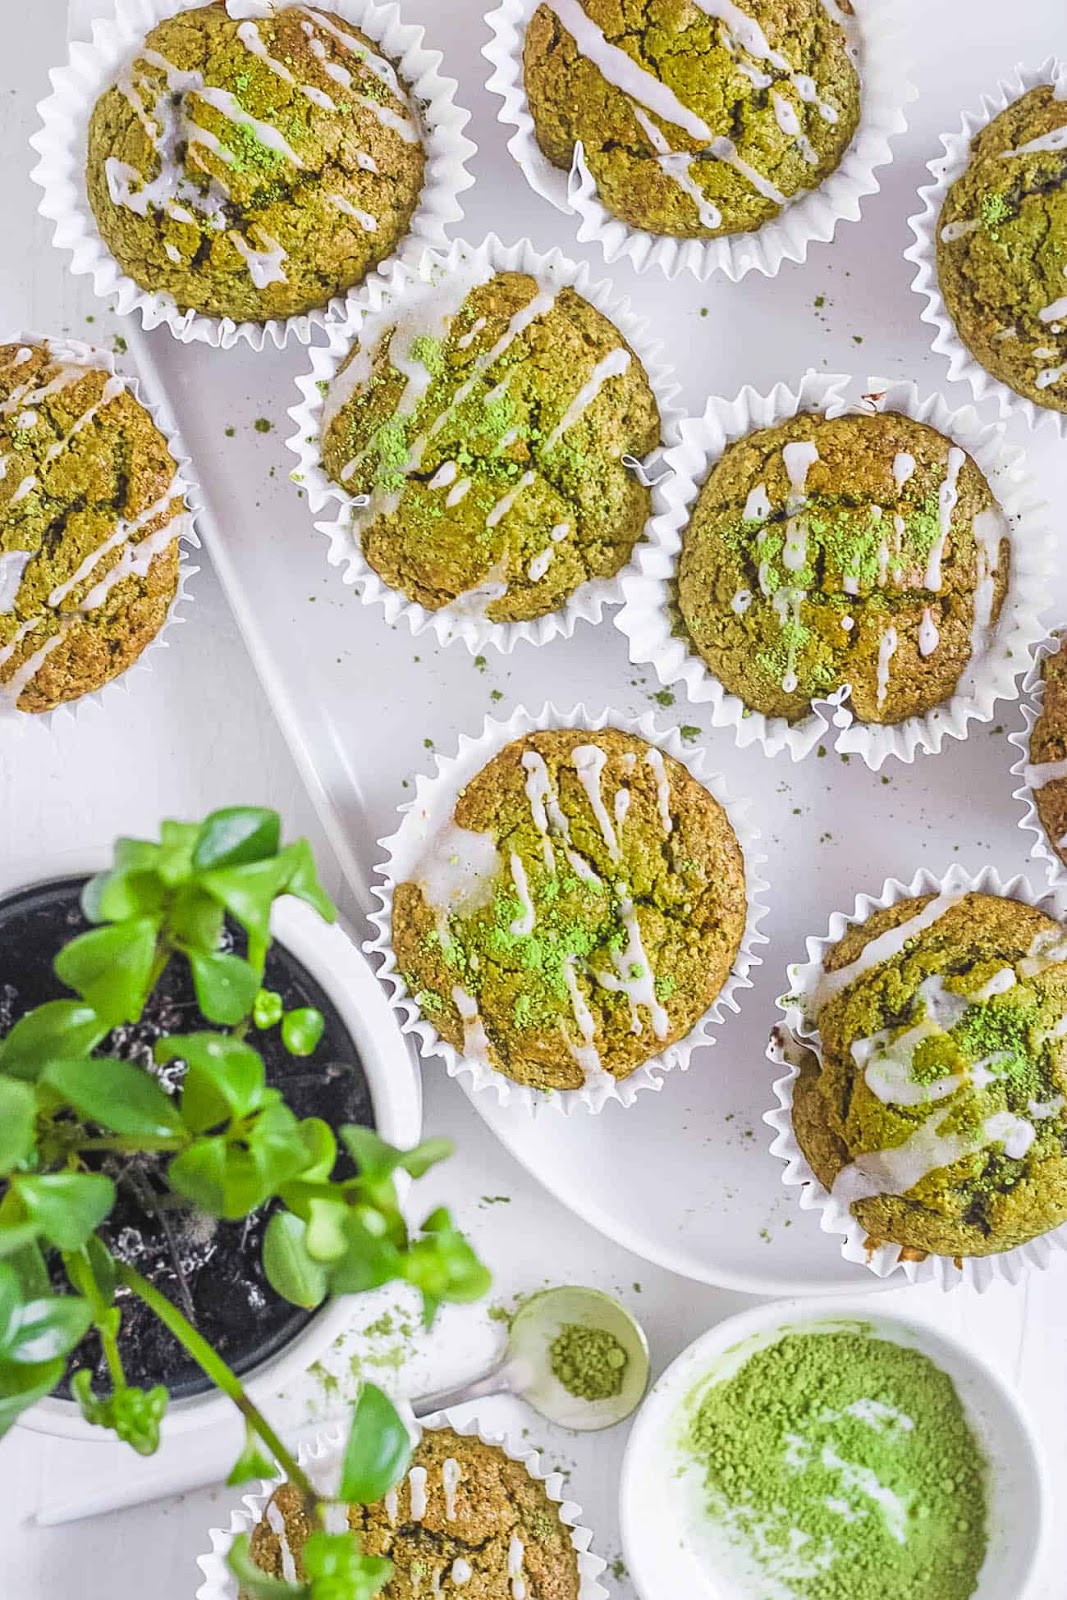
500 1379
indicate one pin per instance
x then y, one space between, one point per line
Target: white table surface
196 731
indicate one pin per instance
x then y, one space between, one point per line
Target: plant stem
216 1369
132 1145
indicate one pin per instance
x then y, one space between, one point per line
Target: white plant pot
333 958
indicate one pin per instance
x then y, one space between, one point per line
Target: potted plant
156 1097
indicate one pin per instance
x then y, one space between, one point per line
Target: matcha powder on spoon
590 1363
840 1466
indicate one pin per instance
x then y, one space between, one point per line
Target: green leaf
326 1239
134 1414
267 1008
339 1570
102 1267
426 1155
30 1268
58 1028
111 968
177 843
290 1270
195 919
373 1156
225 986
44 1330
321 1147
118 896
251 1463
66 1206
248 892
22 1385
224 1080
378 1449
230 1180
369 1260
135 855
18 1110
237 835
302 880
302 1029
117 1095
255 1584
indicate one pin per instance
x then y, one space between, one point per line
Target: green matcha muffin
934 1107
254 167
1047 772
490 432
865 549
91 509
696 120
579 913
466 1521
1002 248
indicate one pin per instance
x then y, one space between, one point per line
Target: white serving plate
667 1548
683 1177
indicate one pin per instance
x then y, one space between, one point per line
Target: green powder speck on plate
590 1363
840 1466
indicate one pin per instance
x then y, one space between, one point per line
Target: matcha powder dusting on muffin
696 119
253 167
865 549
579 913
487 427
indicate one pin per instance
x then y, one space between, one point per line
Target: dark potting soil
210 1269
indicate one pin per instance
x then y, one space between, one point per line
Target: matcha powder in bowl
828 1451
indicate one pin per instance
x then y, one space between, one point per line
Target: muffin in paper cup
797 1038
657 637
61 143
14 722
875 42
321 1458
431 812
383 299
1035 776
944 170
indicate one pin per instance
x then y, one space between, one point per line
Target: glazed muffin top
578 915
695 120
1046 773
91 508
934 1106
865 550
466 1521
253 167
1002 248
490 431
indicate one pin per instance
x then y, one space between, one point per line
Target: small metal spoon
524 1366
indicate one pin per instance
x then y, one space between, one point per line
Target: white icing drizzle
903 468
613 365
883 948
621 806
989 528
678 165
506 501
462 1572
655 760
111 391
798 458
392 1505
458 872
12 566
929 637
758 504
335 1517
1001 981
123 534
887 649
1055 139
417 1486
589 763
455 495
401 123
785 114
467 339
450 1477
368 223
898 1170
586 1055
1049 376
443 476
523 925
265 264
723 149
741 602
1038 774
744 30
249 36
1048 949
958 230
634 976
549 817
516 1551
540 563
276 1523
947 495
1042 1110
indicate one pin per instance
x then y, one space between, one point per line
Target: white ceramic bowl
332 957
663 1554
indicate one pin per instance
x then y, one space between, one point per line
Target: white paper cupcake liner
647 618
432 808
876 41
799 1033
321 1458
1034 694
14 722
382 300
944 170
61 144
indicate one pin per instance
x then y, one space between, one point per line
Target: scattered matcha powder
263 425
590 1363
843 1466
